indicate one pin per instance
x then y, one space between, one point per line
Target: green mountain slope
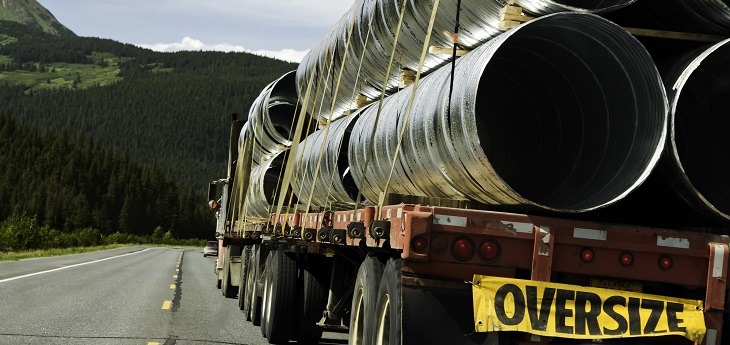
30 12
169 109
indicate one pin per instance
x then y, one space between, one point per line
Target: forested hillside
139 107
166 108
71 182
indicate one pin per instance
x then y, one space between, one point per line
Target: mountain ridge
30 12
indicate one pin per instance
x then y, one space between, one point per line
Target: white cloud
192 44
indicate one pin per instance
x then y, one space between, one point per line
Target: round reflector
419 244
626 259
489 250
587 255
462 249
665 262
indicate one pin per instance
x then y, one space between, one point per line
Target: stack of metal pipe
270 124
566 113
373 24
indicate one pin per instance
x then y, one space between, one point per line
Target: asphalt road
122 296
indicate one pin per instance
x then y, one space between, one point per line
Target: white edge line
70 266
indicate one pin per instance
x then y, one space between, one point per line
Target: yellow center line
152 343
172 286
174 276
177 270
167 305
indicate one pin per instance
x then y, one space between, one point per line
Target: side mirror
212 191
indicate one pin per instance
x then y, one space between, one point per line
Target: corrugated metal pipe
271 117
262 192
478 22
565 113
697 16
697 157
334 187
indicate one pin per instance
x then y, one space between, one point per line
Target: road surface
132 295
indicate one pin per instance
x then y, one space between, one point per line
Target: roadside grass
4 59
27 254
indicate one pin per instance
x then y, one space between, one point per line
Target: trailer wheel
281 297
313 294
250 281
228 290
245 266
218 283
266 295
258 285
388 312
362 314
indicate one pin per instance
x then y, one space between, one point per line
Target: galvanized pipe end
698 153
570 112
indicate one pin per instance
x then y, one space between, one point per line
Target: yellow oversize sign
569 311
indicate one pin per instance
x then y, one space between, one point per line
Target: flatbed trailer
423 270
441 249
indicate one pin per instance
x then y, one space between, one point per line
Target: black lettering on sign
539 317
657 307
672 320
584 316
608 306
634 316
561 312
519 306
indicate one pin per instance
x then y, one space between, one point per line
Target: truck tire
313 294
250 281
218 283
245 266
228 290
388 310
258 285
362 314
265 295
281 297
224 272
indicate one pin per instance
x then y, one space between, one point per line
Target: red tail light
665 262
489 250
626 259
587 255
462 249
419 244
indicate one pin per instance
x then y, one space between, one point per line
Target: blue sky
281 28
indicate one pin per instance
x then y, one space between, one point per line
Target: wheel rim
383 318
268 292
359 318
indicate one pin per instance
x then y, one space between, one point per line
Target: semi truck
543 183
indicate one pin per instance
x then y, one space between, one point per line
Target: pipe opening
281 116
701 127
569 117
